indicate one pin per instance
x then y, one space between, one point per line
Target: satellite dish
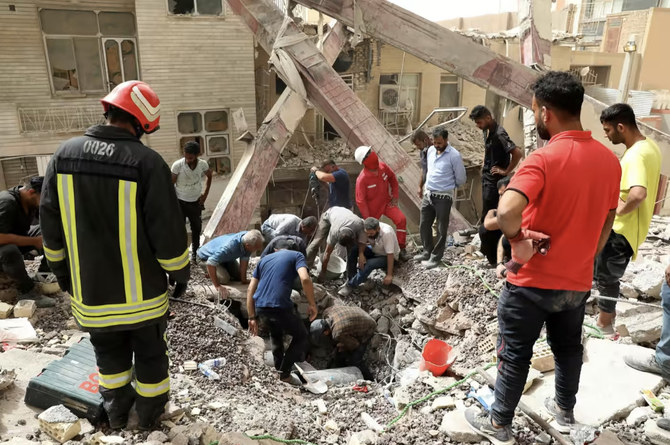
585 71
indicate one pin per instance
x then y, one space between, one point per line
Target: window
409 92
348 79
73 42
195 7
210 130
449 90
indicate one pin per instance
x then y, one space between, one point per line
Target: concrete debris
17 330
112 440
365 437
331 426
371 423
458 429
445 402
86 427
321 406
59 423
5 310
7 377
643 328
25 308
646 277
639 415
656 435
405 355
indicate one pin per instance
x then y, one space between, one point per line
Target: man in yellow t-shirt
640 171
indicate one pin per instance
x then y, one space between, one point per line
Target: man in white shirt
381 252
187 174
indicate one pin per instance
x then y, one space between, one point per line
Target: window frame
205 135
196 14
102 60
103 55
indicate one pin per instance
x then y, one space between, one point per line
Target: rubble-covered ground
463 136
455 303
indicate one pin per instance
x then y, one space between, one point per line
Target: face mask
371 162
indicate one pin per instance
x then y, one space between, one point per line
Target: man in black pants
540 206
18 209
269 299
489 232
187 174
501 156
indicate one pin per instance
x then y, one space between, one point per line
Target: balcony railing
60 119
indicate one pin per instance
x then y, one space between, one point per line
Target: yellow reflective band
152 389
128 241
54 255
121 308
69 221
119 319
175 263
114 381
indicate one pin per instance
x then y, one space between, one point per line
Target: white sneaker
345 291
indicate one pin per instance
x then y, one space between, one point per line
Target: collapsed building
456 304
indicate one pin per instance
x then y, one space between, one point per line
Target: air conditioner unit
392 98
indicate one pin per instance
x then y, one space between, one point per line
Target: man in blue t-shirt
269 299
339 184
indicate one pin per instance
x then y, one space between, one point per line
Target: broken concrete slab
365 437
646 277
603 368
641 328
656 435
607 438
26 364
639 415
458 429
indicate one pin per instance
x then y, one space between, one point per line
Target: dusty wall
485 23
654 71
196 63
594 59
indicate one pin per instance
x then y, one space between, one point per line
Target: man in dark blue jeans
269 298
381 252
539 207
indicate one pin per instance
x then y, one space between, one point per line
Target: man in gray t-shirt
337 226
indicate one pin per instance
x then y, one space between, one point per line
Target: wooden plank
253 172
353 121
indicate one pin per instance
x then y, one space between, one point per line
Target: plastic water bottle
208 372
215 362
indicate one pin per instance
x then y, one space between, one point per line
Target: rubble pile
463 136
456 304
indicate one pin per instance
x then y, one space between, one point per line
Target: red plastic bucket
436 357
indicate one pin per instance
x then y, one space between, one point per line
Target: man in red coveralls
377 193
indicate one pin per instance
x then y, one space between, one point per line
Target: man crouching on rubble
269 299
568 191
349 329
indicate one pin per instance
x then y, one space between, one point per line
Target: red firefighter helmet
138 99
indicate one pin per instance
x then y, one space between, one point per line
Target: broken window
210 129
195 7
449 96
80 59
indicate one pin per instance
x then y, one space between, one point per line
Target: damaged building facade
66 55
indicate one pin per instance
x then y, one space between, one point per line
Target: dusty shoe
481 424
345 291
422 256
40 300
404 256
431 263
564 420
645 362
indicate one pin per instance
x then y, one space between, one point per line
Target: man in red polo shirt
377 193
566 192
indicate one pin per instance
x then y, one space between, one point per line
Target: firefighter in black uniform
112 229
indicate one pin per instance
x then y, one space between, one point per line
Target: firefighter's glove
524 245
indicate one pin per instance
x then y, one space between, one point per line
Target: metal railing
59 119
459 112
